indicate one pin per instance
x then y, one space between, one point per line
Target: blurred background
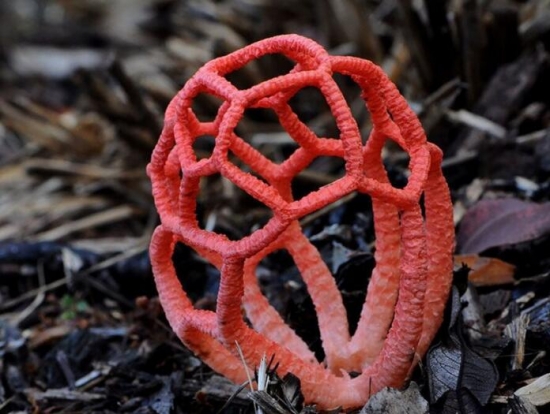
84 85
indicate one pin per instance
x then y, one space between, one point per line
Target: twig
478 122
98 219
39 298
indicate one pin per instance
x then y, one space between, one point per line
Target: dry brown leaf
486 271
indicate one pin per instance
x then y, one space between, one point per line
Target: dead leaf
486 271
494 223
458 377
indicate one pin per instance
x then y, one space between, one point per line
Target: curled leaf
456 372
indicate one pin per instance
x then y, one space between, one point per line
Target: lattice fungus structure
410 284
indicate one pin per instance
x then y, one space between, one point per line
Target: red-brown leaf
486 271
493 223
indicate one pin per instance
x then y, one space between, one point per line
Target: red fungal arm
411 281
197 329
440 241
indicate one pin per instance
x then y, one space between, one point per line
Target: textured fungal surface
410 283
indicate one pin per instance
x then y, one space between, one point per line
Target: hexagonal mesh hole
224 208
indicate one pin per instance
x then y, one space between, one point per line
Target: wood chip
517 330
538 392
63 394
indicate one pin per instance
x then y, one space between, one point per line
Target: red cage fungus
410 283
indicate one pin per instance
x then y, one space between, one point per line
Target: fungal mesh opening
205 106
224 208
311 107
396 163
320 172
260 128
283 286
352 93
343 233
261 69
203 145
353 269
199 278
